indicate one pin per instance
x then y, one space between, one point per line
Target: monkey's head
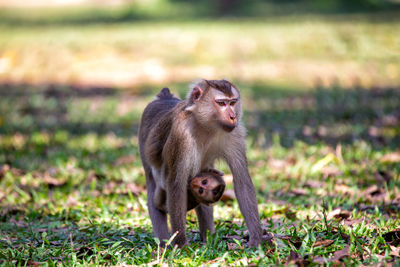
215 104
207 187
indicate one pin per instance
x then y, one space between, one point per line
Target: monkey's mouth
228 127
221 190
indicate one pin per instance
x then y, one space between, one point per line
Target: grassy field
322 108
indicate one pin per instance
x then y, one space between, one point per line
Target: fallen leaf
395 251
228 195
125 160
72 201
325 243
341 253
313 184
343 189
352 222
330 171
337 255
122 188
343 215
53 182
375 194
297 192
391 157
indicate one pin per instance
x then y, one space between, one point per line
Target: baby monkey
205 188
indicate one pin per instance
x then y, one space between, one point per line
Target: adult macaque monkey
179 138
205 188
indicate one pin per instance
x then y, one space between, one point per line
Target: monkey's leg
205 217
160 199
158 217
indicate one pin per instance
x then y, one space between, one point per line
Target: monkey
179 138
205 188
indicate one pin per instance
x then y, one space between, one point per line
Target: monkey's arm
176 189
178 153
245 192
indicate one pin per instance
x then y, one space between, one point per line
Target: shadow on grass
328 115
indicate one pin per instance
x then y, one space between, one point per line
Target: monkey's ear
196 93
217 172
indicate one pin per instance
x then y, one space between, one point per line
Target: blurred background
311 70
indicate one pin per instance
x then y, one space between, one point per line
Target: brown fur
177 139
213 180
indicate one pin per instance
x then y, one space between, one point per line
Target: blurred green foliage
178 10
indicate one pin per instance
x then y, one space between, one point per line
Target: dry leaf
298 192
395 251
313 184
125 160
343 189
391 158
72 201
336 256
325 243
341 253
53 182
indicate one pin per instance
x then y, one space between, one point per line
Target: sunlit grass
349 51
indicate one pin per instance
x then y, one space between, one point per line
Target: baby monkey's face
207 187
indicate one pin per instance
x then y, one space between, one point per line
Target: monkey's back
155 126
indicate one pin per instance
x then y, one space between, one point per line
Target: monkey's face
215 108
227 108
207 188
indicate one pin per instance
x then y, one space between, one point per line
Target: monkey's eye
233 102
201 190
221 103
204 182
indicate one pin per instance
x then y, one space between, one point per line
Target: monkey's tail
165 94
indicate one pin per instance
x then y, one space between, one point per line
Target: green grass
321 103
72 185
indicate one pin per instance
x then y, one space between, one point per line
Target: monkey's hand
181 241
254 241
